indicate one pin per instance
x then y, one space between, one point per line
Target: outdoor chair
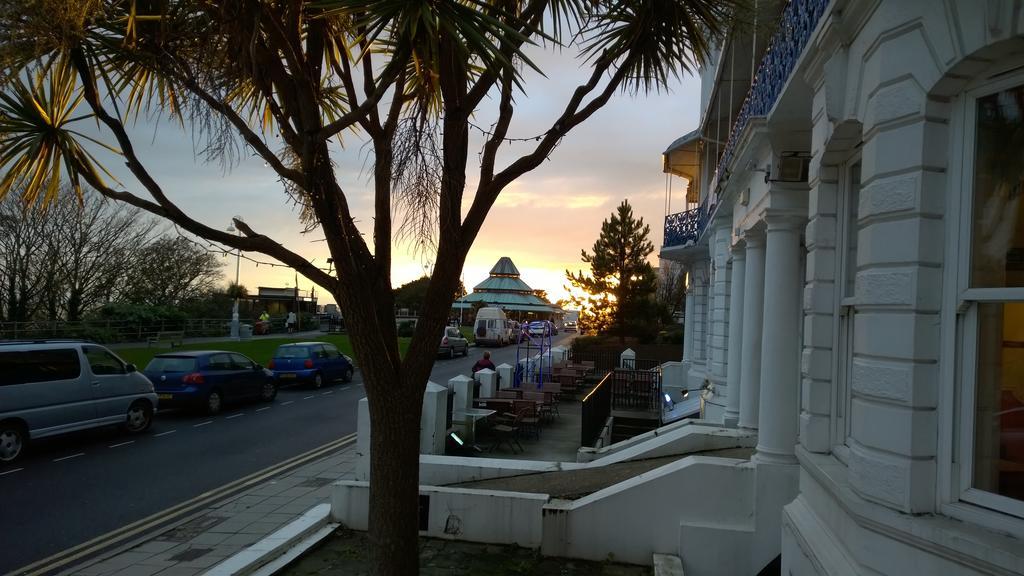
546 407
508 394
529 419
506 431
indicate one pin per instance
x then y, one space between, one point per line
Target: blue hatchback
313 362
207 379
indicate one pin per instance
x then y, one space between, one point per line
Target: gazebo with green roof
504 289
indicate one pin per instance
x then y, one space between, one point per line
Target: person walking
484 362
291 322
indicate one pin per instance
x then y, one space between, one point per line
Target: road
72 489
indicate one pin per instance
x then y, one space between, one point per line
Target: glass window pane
852 202
999 400
101 362
997 243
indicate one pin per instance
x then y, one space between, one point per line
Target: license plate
164 396
287 375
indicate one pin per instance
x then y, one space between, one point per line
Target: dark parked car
207 379
311 362
452 343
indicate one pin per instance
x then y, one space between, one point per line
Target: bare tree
172 270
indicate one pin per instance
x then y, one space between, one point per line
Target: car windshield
292 352
171 364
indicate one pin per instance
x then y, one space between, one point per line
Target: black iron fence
595 410
112 331
636 390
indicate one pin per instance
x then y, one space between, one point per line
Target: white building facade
853 237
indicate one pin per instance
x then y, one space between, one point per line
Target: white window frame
957 496
842 341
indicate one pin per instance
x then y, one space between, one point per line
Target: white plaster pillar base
753 310
780 371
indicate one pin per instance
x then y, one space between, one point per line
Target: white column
733 370
689 319
780 371
753 310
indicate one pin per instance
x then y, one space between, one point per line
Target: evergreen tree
621 282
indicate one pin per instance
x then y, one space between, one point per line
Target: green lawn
467 333
259 350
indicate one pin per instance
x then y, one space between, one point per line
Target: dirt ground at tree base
345 553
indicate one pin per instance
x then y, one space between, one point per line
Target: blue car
315 363
208 379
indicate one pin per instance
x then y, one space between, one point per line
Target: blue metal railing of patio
798 21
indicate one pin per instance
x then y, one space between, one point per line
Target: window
332 351
101 362
219 362
241 362
847 229
27 366
992 301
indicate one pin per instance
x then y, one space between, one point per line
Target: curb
281 547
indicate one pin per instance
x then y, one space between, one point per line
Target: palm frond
657 39
37 143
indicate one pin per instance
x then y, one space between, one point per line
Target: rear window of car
292 352
171 364
27 366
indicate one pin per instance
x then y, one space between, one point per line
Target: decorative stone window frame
844 307
957 497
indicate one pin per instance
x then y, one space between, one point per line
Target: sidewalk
230 526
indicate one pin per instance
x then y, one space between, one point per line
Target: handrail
595 409
798 21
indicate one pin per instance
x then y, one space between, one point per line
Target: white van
53 387
491 327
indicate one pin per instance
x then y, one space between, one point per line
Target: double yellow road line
131 534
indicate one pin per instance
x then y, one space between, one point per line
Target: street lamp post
238 265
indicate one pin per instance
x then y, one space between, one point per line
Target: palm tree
285 79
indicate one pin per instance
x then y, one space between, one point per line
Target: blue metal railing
798 21
685 228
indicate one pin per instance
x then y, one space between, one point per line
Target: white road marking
343 388
326 393
262 409
121 444
307 397
287 403
234 416
202 424
69 457
164 433
11 471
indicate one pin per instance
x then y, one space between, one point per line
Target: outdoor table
468 419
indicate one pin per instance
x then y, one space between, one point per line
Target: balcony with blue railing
684 228
797 23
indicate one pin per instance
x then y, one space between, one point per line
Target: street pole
238 265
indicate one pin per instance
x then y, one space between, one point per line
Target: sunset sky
541 221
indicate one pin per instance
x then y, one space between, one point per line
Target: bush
406 329
140 314
672 334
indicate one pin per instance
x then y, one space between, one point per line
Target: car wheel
12 441
213 402
269 391
347 375
451 352
318 380
465 350
140 416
